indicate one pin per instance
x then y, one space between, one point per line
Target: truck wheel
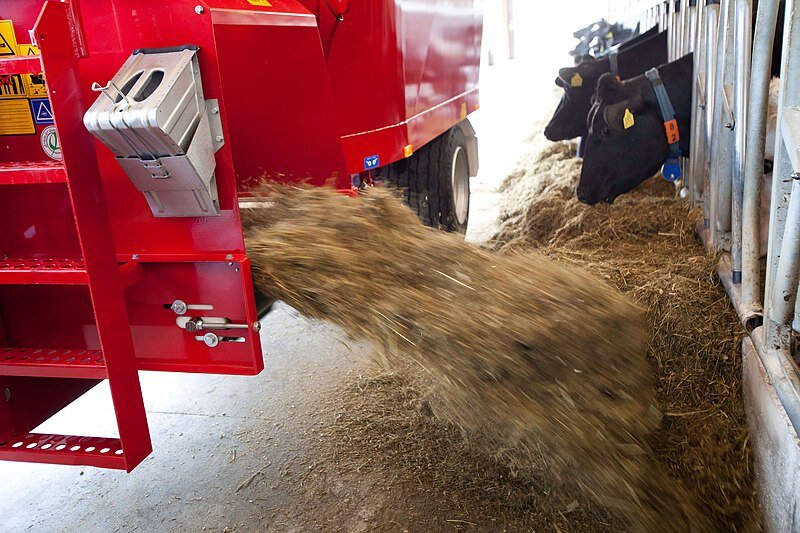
435 182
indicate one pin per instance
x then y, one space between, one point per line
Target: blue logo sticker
42 112
371 162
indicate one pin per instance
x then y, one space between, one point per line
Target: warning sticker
35 85
13 86
8 40
27 50
15 118
264 3
42 112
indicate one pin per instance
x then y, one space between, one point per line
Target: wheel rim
460 181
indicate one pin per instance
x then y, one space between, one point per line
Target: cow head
578 82
626 142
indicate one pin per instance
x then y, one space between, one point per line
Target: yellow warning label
264 3
8 40
35 85
576 81
16 118
27 50
13 86
627 120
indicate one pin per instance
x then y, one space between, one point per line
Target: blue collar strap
672 168
613 61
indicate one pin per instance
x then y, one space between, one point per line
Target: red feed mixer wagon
131 130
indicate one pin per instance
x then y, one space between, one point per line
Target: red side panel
280 110
441 40
181 258
403 72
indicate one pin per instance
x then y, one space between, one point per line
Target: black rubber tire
425 180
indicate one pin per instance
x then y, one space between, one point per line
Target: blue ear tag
671 170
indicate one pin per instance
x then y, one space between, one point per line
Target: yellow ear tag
576 80
627 119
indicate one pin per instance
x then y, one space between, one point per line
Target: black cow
579 83
621 153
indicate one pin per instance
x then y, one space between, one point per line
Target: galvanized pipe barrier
766 19
671 23
712 16
726 173
742 51
695 178
722 136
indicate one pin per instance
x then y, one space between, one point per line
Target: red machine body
309 91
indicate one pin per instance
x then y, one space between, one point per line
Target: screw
194 324
729 125
214 110
135 257
199 10
211 339
229 257
219 138
179 306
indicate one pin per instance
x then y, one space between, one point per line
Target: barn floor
229 451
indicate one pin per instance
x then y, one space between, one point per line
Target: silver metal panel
179 186
138 115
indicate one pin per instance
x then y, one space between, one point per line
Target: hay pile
646 245
529 354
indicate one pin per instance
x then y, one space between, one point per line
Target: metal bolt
215 111
796 175
194 324
179 306
229 257
230 263
729 125
211 339
219 138
199 10
135 257
256 326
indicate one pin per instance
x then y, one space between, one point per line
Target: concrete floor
211 434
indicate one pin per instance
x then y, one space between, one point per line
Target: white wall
540 28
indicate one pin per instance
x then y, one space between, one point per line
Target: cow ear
565 76
614 116
610 89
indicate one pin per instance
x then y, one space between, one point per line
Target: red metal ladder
98 269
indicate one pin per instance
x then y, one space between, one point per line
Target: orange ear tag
576 81
673 135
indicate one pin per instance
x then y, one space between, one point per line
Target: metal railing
725 174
